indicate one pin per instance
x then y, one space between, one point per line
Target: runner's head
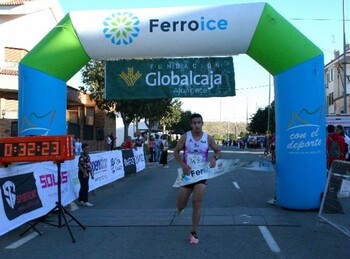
196 123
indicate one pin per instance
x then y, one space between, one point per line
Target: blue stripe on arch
42 103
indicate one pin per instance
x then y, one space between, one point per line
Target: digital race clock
36 148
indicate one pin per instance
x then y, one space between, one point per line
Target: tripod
60 209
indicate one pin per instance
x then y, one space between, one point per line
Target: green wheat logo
130 77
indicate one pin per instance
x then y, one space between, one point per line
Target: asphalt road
134 218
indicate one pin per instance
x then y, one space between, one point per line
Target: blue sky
319 20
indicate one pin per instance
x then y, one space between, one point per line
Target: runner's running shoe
194 238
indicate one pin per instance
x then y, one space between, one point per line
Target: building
23 23
334 83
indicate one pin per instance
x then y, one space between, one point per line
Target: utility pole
269 106
344 60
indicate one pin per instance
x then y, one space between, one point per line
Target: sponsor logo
9 190
203 24
121 28
49 180
130 77
116 165
159 79
99 165
19 195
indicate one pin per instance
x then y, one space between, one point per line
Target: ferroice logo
121 28
130 77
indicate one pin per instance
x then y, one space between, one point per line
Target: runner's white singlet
196 152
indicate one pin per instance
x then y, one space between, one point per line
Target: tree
93 78
184 123
258 121
153 110
172 116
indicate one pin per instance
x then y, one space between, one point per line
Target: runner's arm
216 150
179 146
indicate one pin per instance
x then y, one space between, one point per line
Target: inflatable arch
253 29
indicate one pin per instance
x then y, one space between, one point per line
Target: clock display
37 148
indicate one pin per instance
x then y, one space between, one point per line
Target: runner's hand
186 169
212 163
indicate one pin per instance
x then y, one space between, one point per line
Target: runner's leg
182 198
198 194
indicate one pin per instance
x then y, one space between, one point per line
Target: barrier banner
129 161
29 191
20 195
205 172
140 161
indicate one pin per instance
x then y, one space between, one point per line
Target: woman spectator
151 149
164 152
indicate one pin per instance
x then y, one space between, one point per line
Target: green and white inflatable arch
255 29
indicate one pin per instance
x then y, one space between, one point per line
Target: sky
321 21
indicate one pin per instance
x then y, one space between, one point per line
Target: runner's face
197 125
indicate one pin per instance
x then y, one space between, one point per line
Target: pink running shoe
194 238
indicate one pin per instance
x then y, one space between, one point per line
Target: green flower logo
121 28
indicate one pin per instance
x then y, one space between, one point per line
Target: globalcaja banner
169 78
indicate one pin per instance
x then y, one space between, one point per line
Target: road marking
236 185
22 241
269 239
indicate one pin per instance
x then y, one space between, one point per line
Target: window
90 116
330 75
73 116
88 132
330 99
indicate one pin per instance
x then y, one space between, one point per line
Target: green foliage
259 121
218 137
184 124
173 116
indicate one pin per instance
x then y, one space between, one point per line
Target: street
134 218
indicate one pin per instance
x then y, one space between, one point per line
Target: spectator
164 146
112 141
157 149
77 147
335 135
109 142
127 143
85 170
151 148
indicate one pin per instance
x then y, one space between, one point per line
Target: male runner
195 144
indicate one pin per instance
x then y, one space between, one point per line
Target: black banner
129 161
19 195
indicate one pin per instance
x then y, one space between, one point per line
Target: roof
12 2
8 72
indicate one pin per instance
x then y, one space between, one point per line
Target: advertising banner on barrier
30 191
169 78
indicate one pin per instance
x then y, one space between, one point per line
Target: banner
169 78
129 161
29 191
222 167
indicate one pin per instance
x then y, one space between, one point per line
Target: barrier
335 205
29 191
